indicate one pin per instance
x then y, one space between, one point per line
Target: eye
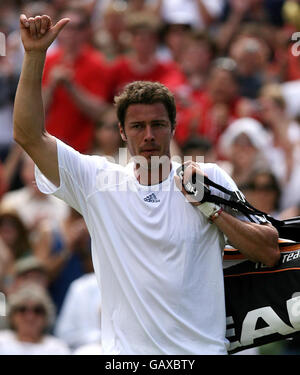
136 126
159 125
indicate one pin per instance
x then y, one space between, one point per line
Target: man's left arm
256 242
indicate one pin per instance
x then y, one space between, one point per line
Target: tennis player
157 256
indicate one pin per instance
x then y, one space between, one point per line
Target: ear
122 132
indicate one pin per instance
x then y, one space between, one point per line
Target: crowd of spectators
234 68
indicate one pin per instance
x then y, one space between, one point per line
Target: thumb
189 198
59 26
23 22
179 185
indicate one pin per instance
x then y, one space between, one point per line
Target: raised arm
29 132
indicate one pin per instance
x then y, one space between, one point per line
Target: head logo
2 45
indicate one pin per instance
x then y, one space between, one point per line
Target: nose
149 135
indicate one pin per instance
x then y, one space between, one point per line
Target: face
222 86
107 137
176 37
262 193
147 130
8 231
197 57
114 23
76 29
29 318
243 153
269 110
144 41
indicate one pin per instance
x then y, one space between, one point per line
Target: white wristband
208 209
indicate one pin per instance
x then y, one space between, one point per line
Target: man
157 258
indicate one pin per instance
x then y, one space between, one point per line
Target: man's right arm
29 131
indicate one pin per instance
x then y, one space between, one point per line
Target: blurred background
234 68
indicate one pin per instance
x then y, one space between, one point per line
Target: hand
272 114
61 74
240 6
193 174
77 231
38 33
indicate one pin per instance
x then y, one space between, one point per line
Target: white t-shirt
90 349
79 320
157 259
10 345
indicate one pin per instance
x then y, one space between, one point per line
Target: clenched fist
38 33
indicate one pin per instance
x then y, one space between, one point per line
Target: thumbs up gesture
38 32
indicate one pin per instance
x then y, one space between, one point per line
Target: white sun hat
252 128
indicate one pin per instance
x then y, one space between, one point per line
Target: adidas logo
151 198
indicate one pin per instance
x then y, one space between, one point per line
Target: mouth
149 151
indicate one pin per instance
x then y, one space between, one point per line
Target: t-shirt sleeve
78 176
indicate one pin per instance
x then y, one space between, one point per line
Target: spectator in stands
199 13
263 191
198 53
3 184
29 203
199 147
9 170
15 234
74 83
239 12
29 269
107 139
78 324
30 314
286 140
14 245
8 84
215 108
174 37
64 250
6 267
112 37
244 146
89 349
136 6
251 55
142 63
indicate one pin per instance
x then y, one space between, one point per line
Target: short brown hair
145 92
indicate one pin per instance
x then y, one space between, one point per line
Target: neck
152 176
71 53
144 61
28 337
